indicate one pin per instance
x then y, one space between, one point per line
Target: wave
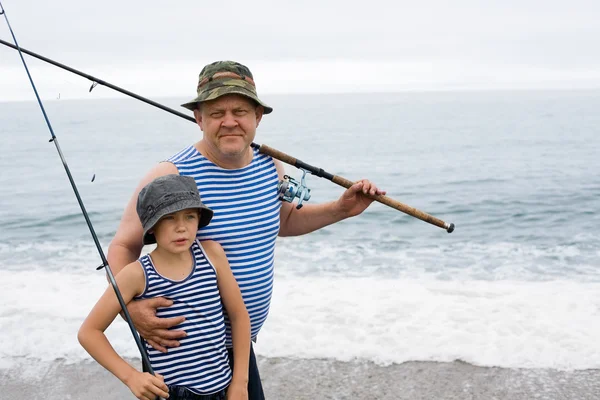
511 324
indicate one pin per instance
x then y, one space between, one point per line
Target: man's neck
236 161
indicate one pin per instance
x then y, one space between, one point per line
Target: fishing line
54 140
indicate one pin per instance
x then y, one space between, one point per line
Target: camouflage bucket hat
225 77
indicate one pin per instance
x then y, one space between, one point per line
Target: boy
193 274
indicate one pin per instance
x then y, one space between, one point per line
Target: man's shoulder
185 154
167 167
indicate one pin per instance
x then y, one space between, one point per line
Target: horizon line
118 95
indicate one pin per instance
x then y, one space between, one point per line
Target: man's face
229 123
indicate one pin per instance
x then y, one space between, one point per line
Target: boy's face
176 232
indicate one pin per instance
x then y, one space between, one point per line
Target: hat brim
206 215
222 91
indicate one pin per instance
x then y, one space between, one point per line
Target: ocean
516 285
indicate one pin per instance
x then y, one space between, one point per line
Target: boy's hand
146 386
155 330
237 391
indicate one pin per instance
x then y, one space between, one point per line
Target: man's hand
355 200
155 330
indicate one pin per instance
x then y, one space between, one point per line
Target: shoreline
303 379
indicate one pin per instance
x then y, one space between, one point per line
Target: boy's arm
91 335
236 311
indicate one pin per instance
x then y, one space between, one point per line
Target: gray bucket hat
225 77
166 195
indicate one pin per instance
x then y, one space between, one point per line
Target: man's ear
260 110
198 117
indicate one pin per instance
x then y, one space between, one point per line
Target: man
240 186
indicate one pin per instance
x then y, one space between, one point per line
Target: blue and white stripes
245 222
200 363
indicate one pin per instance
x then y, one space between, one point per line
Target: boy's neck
172 265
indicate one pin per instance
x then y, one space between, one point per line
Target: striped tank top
245 222
200 363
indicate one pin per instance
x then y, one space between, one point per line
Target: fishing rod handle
281 156
388 201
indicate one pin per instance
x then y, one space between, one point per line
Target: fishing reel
289 189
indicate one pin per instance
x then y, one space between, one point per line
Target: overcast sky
157 48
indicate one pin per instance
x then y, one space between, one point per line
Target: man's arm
125 248
311 217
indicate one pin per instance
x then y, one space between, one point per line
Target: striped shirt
200 363
246 223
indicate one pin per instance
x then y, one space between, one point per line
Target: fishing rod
54 140
289 188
